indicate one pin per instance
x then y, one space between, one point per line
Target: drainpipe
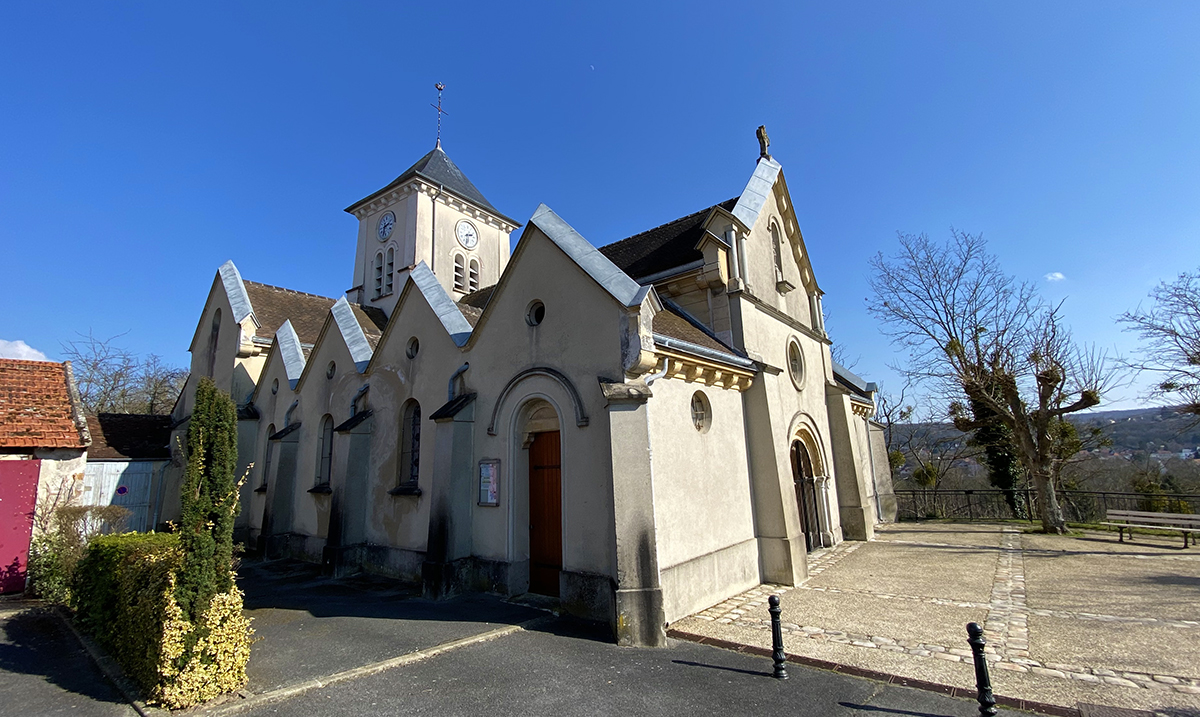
354 401
453 376
652 377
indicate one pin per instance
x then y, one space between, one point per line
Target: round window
275 386
795 359
331 370
413 347
536 313
701 412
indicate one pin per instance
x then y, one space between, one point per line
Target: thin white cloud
1055 276
20 350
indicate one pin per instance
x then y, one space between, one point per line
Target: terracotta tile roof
470 313
273 305
126 436
663 247
36 406
478 298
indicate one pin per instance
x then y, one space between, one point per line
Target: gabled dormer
430 213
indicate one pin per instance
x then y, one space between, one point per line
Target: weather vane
440 112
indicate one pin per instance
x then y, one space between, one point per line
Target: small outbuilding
125 464
43 450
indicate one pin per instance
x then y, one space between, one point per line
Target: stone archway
539 437
811 485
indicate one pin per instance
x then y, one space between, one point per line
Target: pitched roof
126 436
673 325
470 313
663 247
437 168
478 298
372 320
274 304
39 406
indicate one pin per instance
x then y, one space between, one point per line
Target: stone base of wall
708 579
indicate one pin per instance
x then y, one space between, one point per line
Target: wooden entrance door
806 496
545 514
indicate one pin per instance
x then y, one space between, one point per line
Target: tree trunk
1048 508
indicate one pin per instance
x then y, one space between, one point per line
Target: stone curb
1045 708
110 669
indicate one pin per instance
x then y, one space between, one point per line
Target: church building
639 430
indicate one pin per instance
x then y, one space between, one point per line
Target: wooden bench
1182 522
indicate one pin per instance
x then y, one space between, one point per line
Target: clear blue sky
143 145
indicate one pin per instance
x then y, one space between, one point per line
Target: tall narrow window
460 273
778 252
325 463
410 445
266 471
378 275
212 342
473 276
388 270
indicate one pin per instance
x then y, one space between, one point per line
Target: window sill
261 489
406 489
323 489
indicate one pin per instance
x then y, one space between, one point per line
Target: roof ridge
31 361
290 291
709 208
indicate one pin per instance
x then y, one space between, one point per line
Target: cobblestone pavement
1007 613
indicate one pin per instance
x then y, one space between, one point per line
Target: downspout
453 377
354 401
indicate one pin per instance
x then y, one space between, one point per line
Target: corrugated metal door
123 483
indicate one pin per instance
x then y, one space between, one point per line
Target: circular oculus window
331 370
536 313
413 347
275 386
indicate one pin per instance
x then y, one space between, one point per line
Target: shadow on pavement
889 710
689 663
35 642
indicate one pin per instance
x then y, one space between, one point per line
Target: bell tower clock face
466 233
386 223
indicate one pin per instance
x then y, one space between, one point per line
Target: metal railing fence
1079 506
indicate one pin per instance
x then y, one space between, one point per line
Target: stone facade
643 430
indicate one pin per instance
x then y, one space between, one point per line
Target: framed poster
489 481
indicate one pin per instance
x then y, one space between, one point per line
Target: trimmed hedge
124 595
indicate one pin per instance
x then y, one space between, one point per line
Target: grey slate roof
437 168
852 381
663 247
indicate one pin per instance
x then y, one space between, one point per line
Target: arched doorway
804 480
543 441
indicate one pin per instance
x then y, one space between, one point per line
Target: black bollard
983 682
777 639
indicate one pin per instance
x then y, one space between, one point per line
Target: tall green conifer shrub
209 501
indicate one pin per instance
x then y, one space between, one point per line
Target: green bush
124 595
54 554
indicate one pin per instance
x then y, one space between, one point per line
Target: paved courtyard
1068 619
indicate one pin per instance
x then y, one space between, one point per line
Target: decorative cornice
779 315
695 369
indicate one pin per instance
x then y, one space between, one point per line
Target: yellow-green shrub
124 594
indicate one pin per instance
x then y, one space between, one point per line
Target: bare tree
1170 334
974 334
111 379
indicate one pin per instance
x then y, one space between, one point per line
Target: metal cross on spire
440 112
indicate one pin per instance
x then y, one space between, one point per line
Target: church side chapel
639 430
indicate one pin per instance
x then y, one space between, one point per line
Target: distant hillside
1143 429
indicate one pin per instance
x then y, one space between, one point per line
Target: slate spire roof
437 168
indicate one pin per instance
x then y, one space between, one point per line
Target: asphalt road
568 669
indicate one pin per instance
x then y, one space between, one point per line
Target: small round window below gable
331 370
536 313
275 386
701 412
413 347
795 361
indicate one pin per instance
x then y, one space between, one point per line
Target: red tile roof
36 407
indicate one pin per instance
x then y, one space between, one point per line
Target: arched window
410 445
266 471
388 270
460 273
212 342
473 276
325 462
775 245
378 275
